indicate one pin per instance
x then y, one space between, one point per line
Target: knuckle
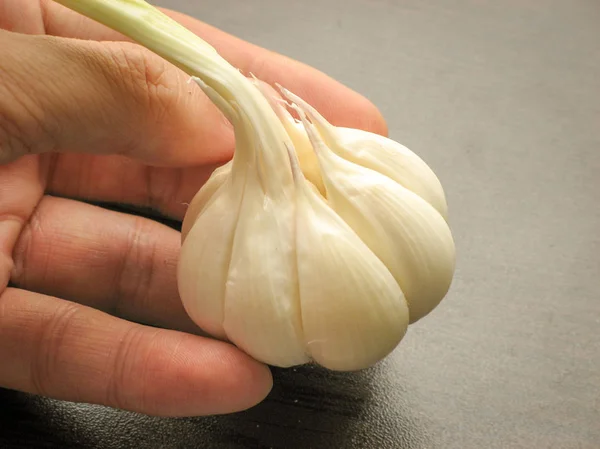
142 74
125 388
136 270
50 348
372 120
26 247
163 187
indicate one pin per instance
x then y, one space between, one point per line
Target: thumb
68 95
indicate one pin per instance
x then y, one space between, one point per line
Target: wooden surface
502 99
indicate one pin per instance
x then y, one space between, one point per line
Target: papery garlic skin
210 225
403 230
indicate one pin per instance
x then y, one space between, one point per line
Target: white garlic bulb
290 272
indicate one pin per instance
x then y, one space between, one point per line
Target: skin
89 309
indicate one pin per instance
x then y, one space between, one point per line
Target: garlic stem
227 110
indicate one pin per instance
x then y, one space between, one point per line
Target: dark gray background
502 99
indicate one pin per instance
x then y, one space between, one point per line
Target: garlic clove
353 311
205 256
392 159
262 304
404 231
378 153
209 232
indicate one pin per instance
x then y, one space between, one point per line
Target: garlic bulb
291 282
315 242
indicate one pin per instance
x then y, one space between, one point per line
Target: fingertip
212 378
252 380
349 109
371 119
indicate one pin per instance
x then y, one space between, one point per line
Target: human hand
89 309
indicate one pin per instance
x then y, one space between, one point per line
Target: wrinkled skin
83 121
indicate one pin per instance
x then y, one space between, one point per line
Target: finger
69 95
339 104
155 191
122 264
71 352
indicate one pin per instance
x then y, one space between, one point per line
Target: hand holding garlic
315 243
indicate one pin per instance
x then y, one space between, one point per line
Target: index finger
339 104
